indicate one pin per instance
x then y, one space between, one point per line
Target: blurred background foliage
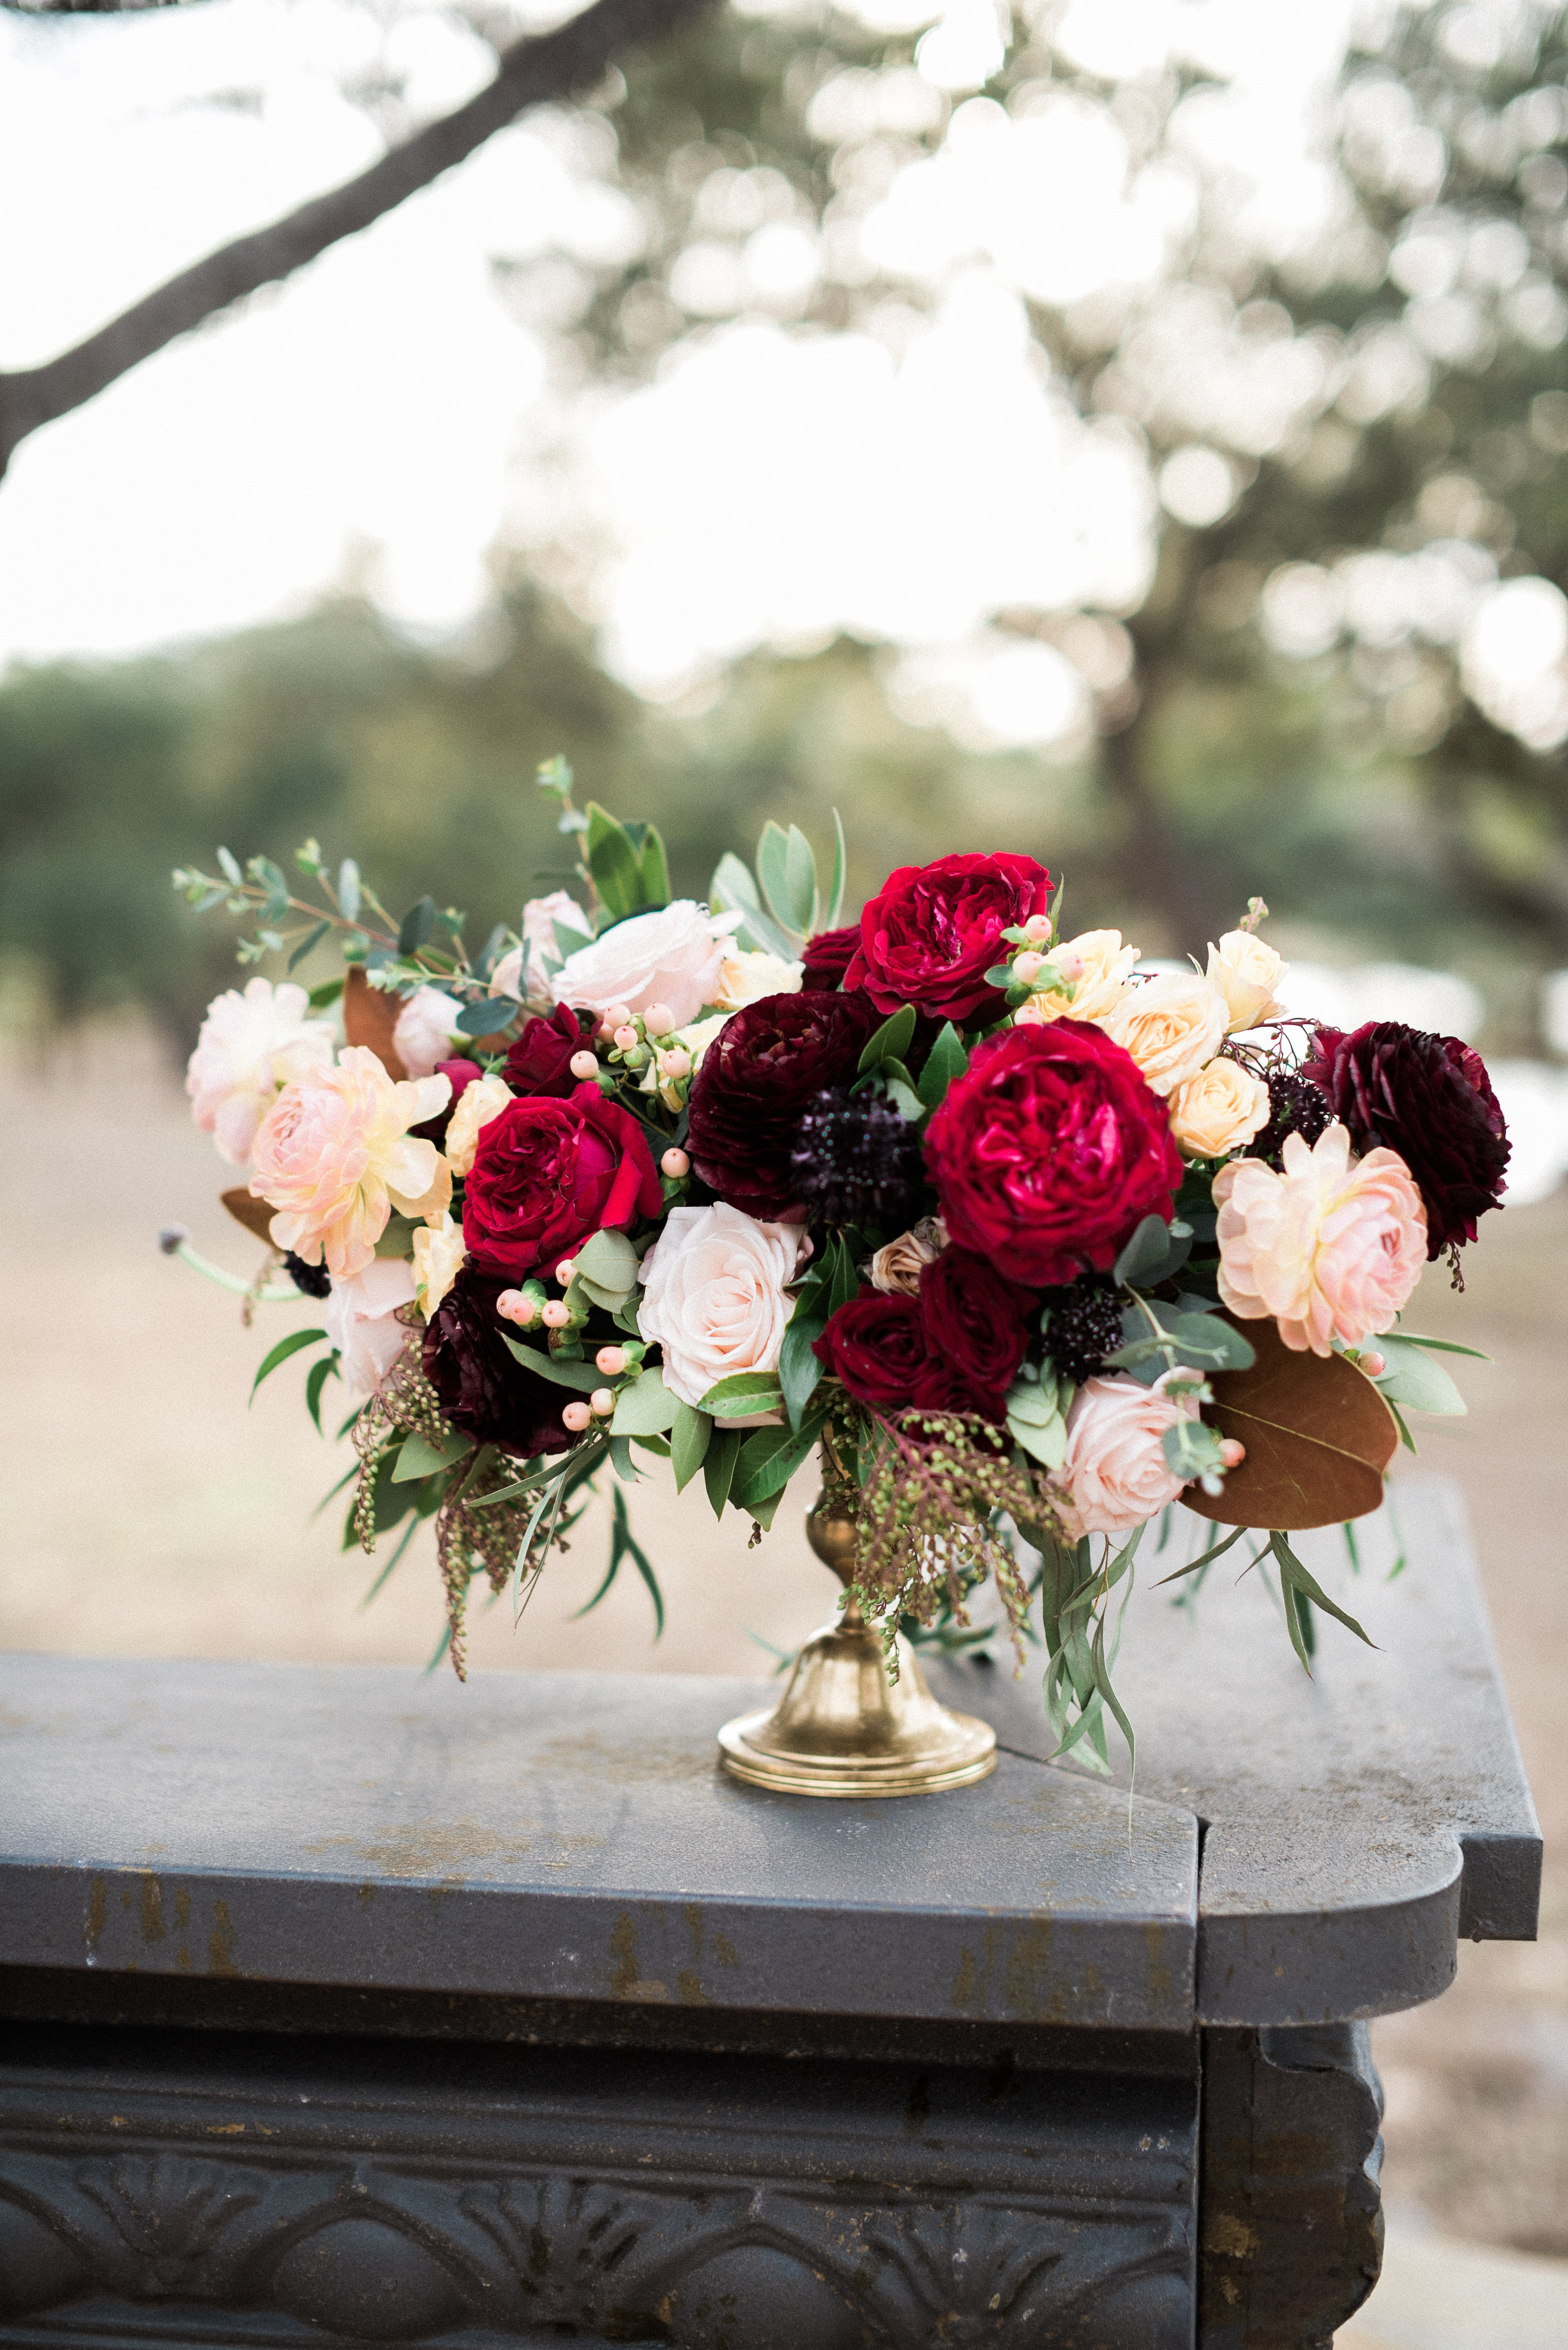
1342 680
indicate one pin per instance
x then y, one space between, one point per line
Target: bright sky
771 484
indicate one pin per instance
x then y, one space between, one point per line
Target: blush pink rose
714 1296
1114 1475
1332 1247
425 1029
334 1156
675 956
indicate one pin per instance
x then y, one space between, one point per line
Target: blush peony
1114 1475
439 1258
1171 1026
1332 1248
250 1047
361 1322
933 932
713 1295
334 1157
674 957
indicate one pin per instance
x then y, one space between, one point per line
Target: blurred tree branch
531 71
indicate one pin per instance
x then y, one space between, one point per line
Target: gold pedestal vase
842 1727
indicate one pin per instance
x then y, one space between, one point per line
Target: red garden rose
540 1061
756 1080
977 1331
547 1175
936 929
1049 1151
875 1347
825 958
1430 1098
483 1389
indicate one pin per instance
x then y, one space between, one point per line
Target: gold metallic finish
842 1727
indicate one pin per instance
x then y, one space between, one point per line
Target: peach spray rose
334 1156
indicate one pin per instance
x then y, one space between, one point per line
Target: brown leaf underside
369 1018
254 1215
1318 1438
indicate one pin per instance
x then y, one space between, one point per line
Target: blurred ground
148 1513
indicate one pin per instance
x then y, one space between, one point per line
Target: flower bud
676 1164
611 1361
1232 1453
583 1065
575 1416
603 1402
658 1019
556 1315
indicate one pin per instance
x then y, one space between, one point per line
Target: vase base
972 1755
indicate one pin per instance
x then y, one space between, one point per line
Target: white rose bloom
1104 967
481 1100
427 1026
674 957
439 1255
714 1296
361 1323
540 915
1247 972
750 974
249 1048
1172 1026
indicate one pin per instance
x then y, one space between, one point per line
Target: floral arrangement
1033 1241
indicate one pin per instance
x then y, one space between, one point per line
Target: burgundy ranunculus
540 1061
483 1389
756 1079
1049 1152
875 1347
1430 1098
977 1330
547 1175
936 929
460 1075
828 956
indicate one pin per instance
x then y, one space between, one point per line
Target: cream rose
1246 973
714 1296
674 957
1100 987
477 1103
1218 1110
1114 1475
750 974
896 1270
1171 1027
249 1048
361 1318
439 1255
426 1027
334 1156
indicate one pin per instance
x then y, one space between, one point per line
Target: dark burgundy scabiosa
1049 1152
540 1062
856 1161
977 1332
757 1077
1295 1107
1430 1098
1084 1326
828 956
483 1389
934 930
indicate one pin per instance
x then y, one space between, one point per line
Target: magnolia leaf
769 1458
653 866
645 1408
1413 1381
613 862
369 1017
254 1215
1318 1438
800 1369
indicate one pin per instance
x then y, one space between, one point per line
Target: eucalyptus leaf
1156 1250
611 1260
348 890
483 1018
1413 1381
308 945
1043 1441
835 906
416 927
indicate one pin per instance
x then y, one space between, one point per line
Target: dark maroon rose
540 1062
1049 1152
828 956
757 1077
547 1175
1430 1098
875 1347
460 1075
483 1389
977 1329
935 930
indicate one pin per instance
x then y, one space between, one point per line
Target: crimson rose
483 1389
1049 1151
935 930
765 1064
1430 1098
547 1175
875 1347
828 956
977 1331
540 1061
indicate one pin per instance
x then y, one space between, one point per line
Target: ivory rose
674 956
1246 972
1218 1110
476 1106
1333 1247
1100 988
1115 1474
439 1255
424 1031
249 1048
1171 1027
361 1318
334 1156
744 977
713 1295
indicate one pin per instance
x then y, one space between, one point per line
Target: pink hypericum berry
1070 963
566 1270
619 1016
1232 1453
603 1403
658 1019
675 1064
611 1361
1026 968
1037 928
515 1306
556 1315
676 1164
583 1065
1374 1365
626 1036
577 1417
